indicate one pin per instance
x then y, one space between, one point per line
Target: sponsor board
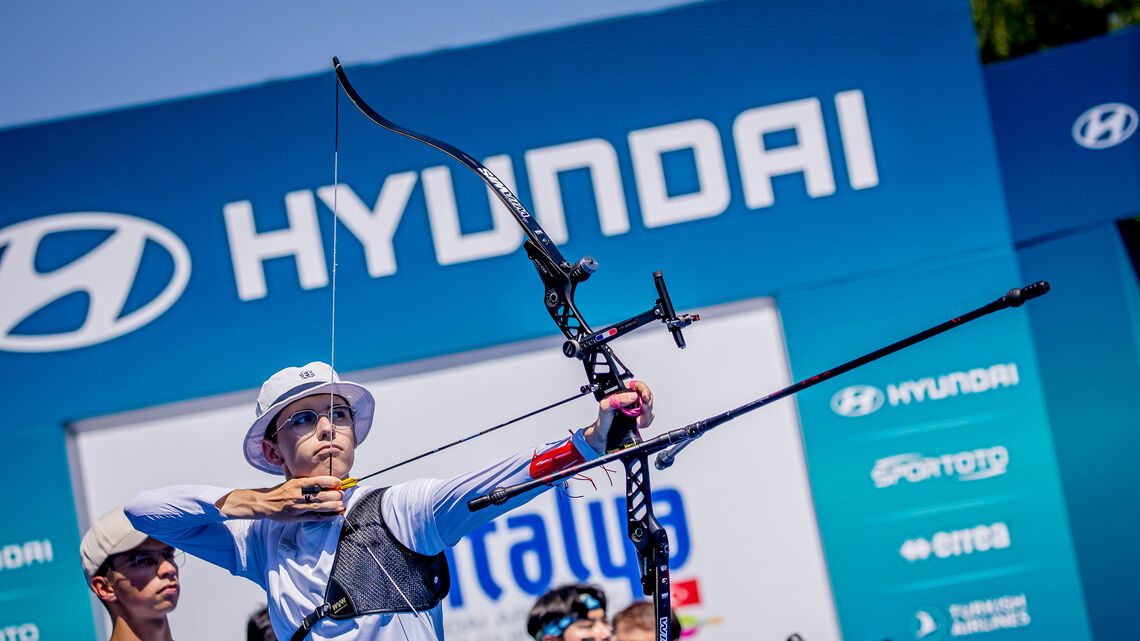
106 274
532 544
861 400
20 632
927 624
857 400
971 618
921 508
913 467
14 556
1105 125
375 225
952 543
989 615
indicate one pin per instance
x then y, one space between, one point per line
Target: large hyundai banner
139 241
156 264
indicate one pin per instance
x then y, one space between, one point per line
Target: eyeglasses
304 422
150 561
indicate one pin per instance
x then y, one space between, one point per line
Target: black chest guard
357 584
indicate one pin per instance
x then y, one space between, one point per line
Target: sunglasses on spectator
149 561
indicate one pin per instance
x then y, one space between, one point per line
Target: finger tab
634 409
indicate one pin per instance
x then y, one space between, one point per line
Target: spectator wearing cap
134 576
574 612
378 573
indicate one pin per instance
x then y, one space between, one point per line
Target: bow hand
620 416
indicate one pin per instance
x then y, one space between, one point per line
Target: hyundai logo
857 400
106 274
1105 126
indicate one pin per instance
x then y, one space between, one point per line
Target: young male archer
379 573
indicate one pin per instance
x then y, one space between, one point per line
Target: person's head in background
134 576
570 613
636 623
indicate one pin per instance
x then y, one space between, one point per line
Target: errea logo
105 273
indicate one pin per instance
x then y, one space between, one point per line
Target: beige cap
109 534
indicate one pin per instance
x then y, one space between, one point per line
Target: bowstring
332 321
332 352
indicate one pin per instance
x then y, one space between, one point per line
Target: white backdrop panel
754 549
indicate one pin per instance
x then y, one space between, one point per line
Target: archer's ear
269 450
103 589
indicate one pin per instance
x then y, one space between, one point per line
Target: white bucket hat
293 383
109 534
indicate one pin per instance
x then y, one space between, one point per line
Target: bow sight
662 310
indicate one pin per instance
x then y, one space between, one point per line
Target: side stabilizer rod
668 444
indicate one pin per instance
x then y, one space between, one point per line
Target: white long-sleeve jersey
293 561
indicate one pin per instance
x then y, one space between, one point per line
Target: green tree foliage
1011 28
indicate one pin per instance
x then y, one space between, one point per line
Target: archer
389 575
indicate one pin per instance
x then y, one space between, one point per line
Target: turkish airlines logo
926 623
857 400
106 274
1105 125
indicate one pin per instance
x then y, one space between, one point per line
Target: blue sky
68 58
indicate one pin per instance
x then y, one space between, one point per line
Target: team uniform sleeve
429 515
184 516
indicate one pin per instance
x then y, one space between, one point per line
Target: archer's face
305 446
594 627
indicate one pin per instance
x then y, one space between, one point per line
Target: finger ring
308 498
632 410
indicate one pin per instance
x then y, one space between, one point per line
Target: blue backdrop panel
933 470
40 574
1087 334
914 182
1062 171
179 165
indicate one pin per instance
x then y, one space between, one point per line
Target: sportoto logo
857 400
1105 125
106 274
